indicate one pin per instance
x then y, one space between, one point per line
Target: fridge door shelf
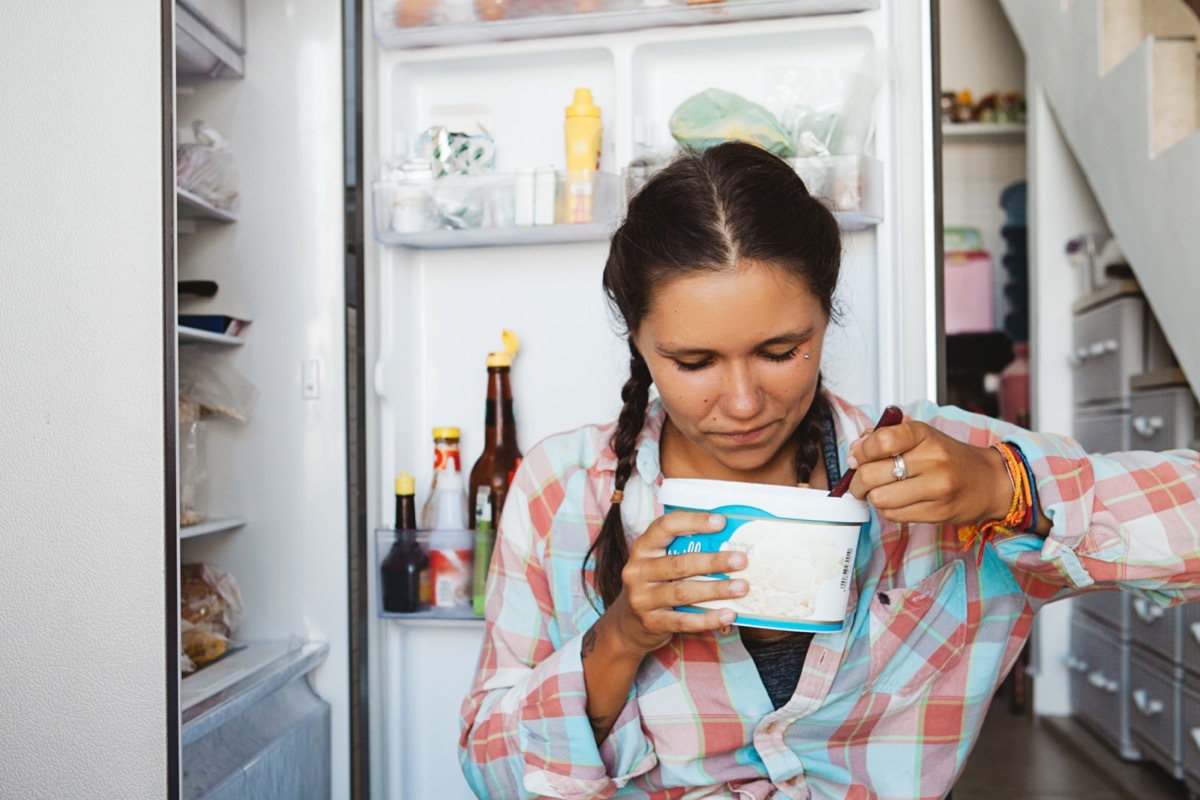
200 51
211 526
435 617
406 24
485 203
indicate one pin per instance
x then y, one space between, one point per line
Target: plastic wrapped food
201 647
210 597
206 168
715 115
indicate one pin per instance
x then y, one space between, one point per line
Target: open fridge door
439 298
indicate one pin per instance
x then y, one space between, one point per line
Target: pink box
967 298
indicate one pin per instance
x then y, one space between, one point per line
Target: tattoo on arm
589 643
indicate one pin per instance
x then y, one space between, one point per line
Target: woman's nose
742 397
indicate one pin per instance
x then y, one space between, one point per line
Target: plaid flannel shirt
889 707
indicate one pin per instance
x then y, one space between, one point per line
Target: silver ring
900 472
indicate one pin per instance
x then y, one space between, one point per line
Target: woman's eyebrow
795 337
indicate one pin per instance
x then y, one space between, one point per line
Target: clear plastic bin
478 210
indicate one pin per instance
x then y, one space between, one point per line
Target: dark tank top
780 661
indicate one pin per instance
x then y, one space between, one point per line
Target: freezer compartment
1099 665
1154 710
1163 419
405 24
1103 430
1159 630
480 211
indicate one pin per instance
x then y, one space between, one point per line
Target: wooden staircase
1123 80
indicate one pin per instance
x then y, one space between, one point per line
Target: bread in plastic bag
200 646
715 115
210 598
209 379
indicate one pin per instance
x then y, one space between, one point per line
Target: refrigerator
364 337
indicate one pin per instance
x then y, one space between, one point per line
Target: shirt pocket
918 631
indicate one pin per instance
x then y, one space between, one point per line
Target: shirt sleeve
525 731
1128 520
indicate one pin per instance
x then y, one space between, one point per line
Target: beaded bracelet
1018 514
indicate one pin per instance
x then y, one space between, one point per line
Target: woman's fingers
668 527
689 565
875 445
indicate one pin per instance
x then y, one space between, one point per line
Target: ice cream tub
800 546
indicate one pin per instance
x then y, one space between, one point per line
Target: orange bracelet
1018 510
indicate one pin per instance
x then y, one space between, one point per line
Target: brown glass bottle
401 574
501 456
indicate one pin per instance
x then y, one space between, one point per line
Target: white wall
979 50
82 505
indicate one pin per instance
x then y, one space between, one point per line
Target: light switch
311 379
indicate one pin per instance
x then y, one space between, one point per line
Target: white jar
412 203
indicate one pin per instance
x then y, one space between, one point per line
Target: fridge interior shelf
984 131
485 205
211 526
195 336
405 24
190 206
201 51
435 616
222 690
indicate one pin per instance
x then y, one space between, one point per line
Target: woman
590 684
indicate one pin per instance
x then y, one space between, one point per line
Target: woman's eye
788 356
692 366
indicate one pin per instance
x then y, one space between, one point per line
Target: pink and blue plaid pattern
887 708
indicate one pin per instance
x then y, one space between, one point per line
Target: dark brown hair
708 211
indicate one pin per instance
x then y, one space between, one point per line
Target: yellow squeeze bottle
583 130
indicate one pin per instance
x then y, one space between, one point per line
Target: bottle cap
511 345
405 484
446 433
583 106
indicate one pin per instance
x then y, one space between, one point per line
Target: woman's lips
746 437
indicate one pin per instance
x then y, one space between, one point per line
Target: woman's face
727 353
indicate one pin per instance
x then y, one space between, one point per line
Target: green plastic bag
716 116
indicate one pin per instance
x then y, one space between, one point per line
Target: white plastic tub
800 546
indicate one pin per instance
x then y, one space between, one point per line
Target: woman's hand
947 481
643 616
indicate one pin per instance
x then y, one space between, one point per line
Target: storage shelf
211 526
498 237
196 336
983 131
202 53
193 207
220 691
436 616
454 22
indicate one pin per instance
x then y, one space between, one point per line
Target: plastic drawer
226 18
1157 629
1189 634
1162 419
1099 666
1110 608
1189 730
1109 346
1154 692
1102 430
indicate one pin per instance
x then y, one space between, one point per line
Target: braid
809 434
610 548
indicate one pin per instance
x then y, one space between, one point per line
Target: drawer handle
1145 704
1075 664
1146 427
1111 346
1098 680
1147 611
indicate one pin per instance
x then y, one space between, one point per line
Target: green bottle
485 538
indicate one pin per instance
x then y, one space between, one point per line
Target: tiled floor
1018 758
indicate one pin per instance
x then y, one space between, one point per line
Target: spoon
890 416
